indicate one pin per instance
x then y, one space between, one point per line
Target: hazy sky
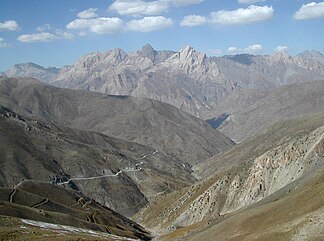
58 32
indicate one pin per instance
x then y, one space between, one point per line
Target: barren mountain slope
296 213
290 101
141 120
119 174
52 204
246 174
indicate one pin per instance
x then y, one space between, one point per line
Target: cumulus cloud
97 25
64 35
3 44
247 15
43 28
310 10
44 37
37 37
250 1
193 20
148 24
9 25
182 3
88 13
281 48
141 7
252 49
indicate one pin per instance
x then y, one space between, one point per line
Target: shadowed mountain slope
48 203
145 121
119 174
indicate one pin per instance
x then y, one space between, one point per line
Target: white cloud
281 48
148 24
82 33
182 3
250 1
45 37
63 35
88 13
3 44
247 15
9 25
252 49
37 37
310 10
193 20
141 7
43 28
97 25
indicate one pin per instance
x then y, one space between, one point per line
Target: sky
59 32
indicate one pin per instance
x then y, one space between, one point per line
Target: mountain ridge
187 79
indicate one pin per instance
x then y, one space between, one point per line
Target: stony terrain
251 172
52 204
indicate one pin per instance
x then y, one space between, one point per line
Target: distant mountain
311 56
285 102
268 72
187 79
33 71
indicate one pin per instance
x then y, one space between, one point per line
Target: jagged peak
310 54
280 55
147 47
148 52
188 52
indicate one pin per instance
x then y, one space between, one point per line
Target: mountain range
187 79
164 145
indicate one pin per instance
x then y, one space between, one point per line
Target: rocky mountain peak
117 55
281 56
188 55
148 52
312 55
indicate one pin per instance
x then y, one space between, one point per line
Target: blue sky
59 32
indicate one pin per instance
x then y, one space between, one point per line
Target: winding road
111 175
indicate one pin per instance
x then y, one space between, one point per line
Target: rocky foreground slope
51 204
265 167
